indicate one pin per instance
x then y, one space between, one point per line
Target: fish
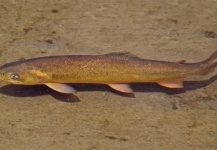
117 70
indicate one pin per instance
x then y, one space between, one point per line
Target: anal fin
60 87
125 88
172 83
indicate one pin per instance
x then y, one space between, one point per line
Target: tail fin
209 64
212 59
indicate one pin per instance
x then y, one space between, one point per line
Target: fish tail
209 65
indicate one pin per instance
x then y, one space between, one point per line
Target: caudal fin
209 64
213 58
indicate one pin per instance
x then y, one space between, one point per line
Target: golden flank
115 69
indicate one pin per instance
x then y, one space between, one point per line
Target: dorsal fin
122 54
181 62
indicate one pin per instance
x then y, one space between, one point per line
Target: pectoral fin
172 83
125 88
62 88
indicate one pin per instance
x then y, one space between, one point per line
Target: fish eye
14 76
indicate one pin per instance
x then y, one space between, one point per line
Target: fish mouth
8 80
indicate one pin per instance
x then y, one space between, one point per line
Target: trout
117 70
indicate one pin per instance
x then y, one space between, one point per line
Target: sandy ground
96 117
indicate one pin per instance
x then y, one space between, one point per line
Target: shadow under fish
40 90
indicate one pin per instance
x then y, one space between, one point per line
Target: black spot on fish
54 10
49 41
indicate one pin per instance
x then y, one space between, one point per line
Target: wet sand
96 117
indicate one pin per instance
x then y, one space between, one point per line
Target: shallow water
96 117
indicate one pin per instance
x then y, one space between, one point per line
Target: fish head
21 74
